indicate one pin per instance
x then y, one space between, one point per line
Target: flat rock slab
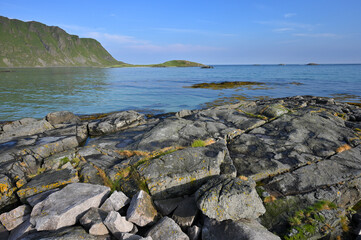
15 217
63 208
167 229
47 181
69 233
182 172
235 230
141 210
226 198
24 128
342 167
288 142
115 202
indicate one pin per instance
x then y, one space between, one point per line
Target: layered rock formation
281 168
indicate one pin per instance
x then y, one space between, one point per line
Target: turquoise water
33 92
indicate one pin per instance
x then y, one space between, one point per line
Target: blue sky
212 32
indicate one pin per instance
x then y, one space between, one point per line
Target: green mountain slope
33 44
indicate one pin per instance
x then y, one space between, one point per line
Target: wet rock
117 224
186 212
46 181
68 233
167 229
20 231
61 117
224 198
183 171
115 122
234 230
141 210
115 202
63 208
93 221
15 217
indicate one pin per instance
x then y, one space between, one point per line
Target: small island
312 64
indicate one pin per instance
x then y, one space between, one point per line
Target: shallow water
34 92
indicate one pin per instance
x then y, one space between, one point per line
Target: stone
141 210
167 229
89 174
115 202
93 221
129 236
186 212
46 181
167 206
115 122
35 199
194 232
224 198
234 230
184 171
63 208
117 224
4 234
15 217
25 129
69 233
274 111
61 117
7 195
20 231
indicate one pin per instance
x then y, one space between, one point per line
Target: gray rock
274 110
224 198
184 171
46 181
234 230
186 212
35 199
89 174
4 234
117 224
194 232
20 231
61 117
141 210
166 206
63 208
115 122
7 195
129 236
25 129
167 229
69 233
93 221
15 217
115 202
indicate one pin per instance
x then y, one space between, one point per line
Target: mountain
33 44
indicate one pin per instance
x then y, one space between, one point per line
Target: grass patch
198 143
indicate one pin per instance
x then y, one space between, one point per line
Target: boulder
234 230
62 117
186 212
93 221
35 199
15 217
224 198
63 208
115 202
183 171
167 206
141 210
167 229
117 224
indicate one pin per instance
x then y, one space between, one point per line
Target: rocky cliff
33 44
281 168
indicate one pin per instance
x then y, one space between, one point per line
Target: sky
210 32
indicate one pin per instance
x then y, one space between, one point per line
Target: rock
115 202
63 208
69 233
117 224
183 171
46 181
20 231
21 128
89 174
35 199
15 217
7 195
129 236
141 210
224 198
186 212
4 234
93 221
62 117
167 206
167 229
234 230
194 232
115 122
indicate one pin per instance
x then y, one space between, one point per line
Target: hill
178 63
33 44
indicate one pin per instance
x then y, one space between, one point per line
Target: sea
34 92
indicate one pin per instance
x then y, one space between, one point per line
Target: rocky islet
269 169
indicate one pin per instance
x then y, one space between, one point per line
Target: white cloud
289 15
283 29
317 35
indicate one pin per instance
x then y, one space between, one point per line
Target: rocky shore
273 169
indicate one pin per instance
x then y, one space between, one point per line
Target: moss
198 143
